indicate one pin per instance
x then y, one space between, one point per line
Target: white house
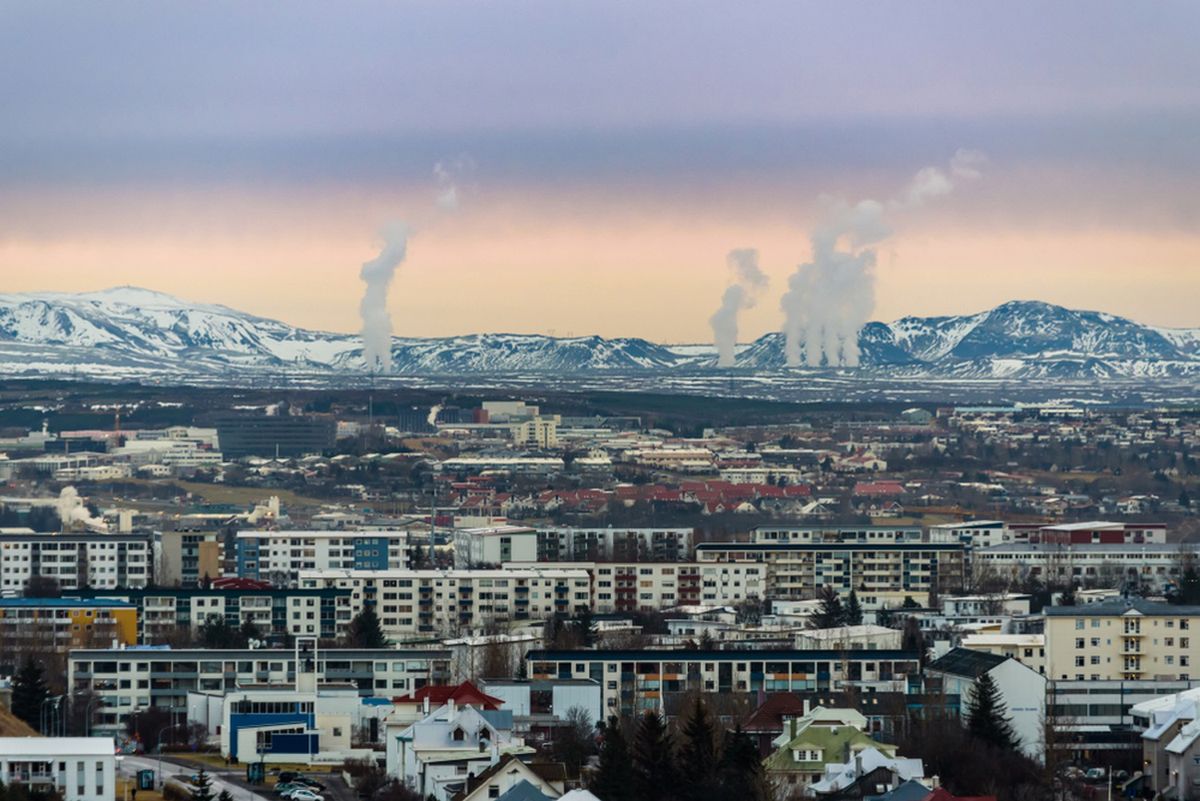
435 755
1022 688
79 768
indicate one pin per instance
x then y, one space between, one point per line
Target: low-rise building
637 680
130 679
474 547
76 768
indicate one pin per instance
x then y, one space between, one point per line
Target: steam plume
377 275
742 293
830 298
449 175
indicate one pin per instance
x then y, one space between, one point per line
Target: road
221 779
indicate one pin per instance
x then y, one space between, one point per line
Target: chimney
495 753
806 707
858 765
425 705
450 703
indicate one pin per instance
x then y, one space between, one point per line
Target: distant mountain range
126 332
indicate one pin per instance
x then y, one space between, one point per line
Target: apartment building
1028 649
654 586
539 432
423 603
882 574
569 544
1128 640
804 533
973 533
276 613
70 768
1150 565
493 545
279 556
188 557
633 681
76 560
127 680
30 626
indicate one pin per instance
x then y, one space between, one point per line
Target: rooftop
965 662
57 746
1123 606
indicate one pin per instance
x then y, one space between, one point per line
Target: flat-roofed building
571 544
492 545
76 768
77 560
279 556
1154 566
1129 640
881 574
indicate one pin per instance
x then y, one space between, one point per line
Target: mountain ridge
143 331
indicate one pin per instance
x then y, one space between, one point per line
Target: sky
608 155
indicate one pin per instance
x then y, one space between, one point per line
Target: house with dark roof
1022 688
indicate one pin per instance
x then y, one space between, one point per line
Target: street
221 779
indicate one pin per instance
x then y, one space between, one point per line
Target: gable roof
965 662
911 790
524 791
549 772
461 694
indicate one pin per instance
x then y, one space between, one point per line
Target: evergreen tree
248 632
654 774
698 755
909 603
1068 596
28 692
365 630
584 622
830 613
225 795
986 718
854 612
611 781
1189 587
740 770
203 787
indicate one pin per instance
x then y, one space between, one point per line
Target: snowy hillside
131 332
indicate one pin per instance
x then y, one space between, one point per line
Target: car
305 795
1095 775
288 775
312 784
286 787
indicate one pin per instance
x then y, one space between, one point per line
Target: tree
247 633
584 623
215 632
611 780
42 587
698 754
739 771
909 603
575 742
365 630
28 692
202 785
224 795
654 775
854 612
986 718
1068 596
830 613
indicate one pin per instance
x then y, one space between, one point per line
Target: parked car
1095 774
310 783
305 795
286 787
288 775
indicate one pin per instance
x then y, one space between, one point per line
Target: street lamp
158 743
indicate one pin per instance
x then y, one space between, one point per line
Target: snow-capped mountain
131 332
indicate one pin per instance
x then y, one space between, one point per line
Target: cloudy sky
250 153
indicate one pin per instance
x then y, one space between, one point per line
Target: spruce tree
739 771
203 787
986 718
365 630
854 612
611 781
830 613
224 795
28 692
654 774
698 755
1068 596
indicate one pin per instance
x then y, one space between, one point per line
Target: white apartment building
78 768
126 680
76 560
280 556
424 603
806 534
975 533
1122 640
494 545
1151 565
